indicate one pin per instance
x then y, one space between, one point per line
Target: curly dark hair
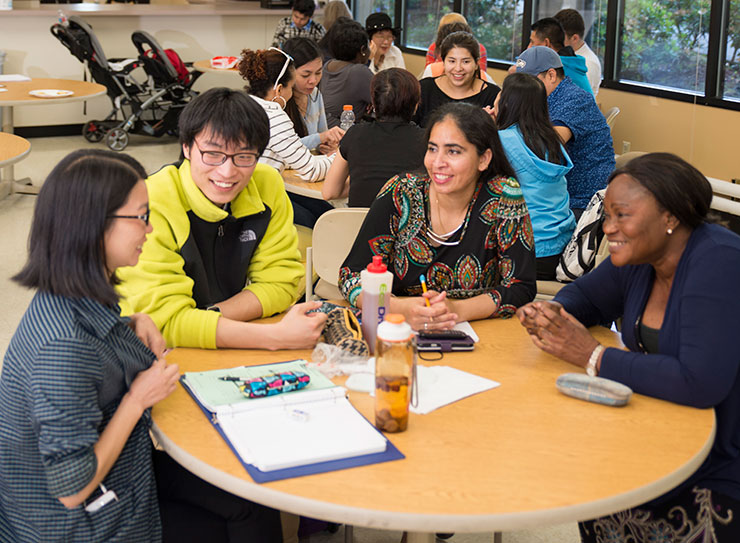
262 68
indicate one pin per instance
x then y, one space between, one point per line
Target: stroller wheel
93 131
116 139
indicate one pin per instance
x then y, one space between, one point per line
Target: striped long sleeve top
285 150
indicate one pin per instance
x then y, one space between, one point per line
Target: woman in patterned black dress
463 223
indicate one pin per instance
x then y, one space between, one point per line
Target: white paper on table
442 385
14 77
464 326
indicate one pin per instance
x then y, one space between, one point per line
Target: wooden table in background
296 185
17 95
519 456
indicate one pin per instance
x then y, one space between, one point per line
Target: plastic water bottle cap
347 107
377 266
394 328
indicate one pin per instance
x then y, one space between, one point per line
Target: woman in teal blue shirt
540 162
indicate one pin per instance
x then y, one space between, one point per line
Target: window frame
716 53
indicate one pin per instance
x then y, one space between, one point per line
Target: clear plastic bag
332 361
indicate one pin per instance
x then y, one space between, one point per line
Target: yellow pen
424 287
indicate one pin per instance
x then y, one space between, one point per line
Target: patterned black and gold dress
492 253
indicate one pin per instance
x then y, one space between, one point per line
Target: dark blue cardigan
699 347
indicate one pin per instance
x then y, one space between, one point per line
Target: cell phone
444 341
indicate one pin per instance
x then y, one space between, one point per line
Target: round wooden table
519 456
12 149
17 94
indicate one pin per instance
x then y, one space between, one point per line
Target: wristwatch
591 369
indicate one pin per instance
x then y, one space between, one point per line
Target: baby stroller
150 108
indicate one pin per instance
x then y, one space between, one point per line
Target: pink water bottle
376 283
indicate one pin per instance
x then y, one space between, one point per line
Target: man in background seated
548 32
575 30
578 121
224 250
299 25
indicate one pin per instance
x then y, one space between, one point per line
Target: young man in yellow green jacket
224 250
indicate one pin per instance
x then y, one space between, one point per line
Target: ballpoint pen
424 287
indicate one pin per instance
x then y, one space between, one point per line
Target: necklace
442 239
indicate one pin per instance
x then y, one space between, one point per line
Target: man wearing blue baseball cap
578 121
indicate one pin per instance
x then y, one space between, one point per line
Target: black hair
571 21
523 101
480 130
66 255
395 94
229 114
261 69
679 188
326 41
306 7
348 40
303 51
559 71
464 40
449 28
550 28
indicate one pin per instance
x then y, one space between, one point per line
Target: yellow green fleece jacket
162 284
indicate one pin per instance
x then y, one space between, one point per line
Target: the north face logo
247 235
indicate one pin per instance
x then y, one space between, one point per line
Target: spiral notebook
307 431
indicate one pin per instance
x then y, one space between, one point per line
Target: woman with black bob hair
371 153
306 107
460 81
540 162
346 79
78 380
672 278
463 223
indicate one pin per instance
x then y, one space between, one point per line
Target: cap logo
521 63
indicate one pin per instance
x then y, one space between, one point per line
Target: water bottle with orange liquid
395 362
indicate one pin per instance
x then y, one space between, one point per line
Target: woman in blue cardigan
540 162
673 278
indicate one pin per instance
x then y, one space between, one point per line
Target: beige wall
708 137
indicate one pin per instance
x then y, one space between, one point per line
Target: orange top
395 318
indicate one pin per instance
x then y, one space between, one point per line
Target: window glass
363 8
421 20
594 17
732 53
664 44
497 24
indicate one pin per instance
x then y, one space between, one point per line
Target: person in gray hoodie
533 149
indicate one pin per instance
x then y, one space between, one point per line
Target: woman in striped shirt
271 75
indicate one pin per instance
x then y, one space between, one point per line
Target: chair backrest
333 235
726 196
611 115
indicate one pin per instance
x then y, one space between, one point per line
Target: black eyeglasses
216 158
144 217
